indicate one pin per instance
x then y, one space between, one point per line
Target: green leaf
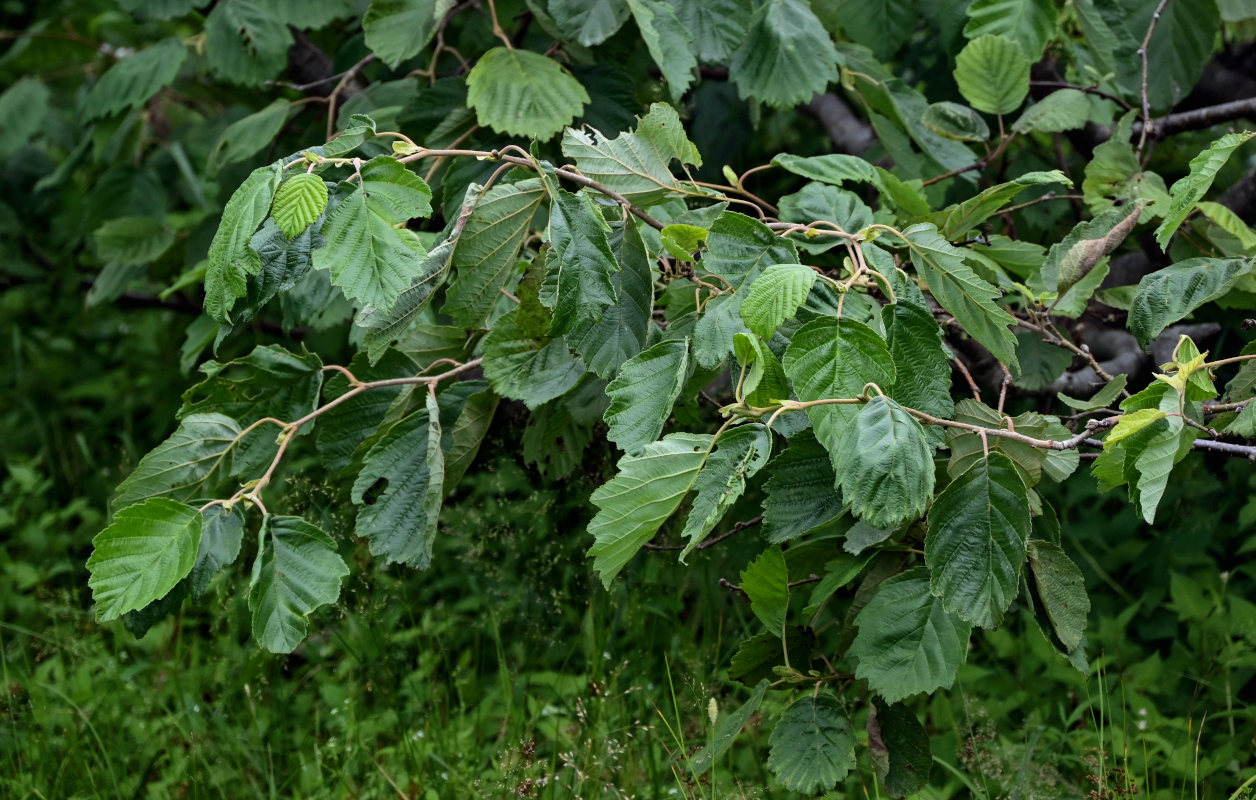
23 109
757 657
718 27
222 532
915 344
396 30
624 328
741 453
589 22
195 456
1225 219
1062 110
488 249
646 491
299 202
884 465
1062 589
978 527
367 256
766 582
835 359
466 435
764 382
246 41
132 241
139 558
404 473
297 571
345 426
1169 294
813 746
284 263
958 289
818 202
247 136
637 164
726 730
786 56
800 493
993 74
643 393
1114 176
1072 259
899 748
523 368
582 262
965 216
883 25
775 297
671 44
955 121
1029 23
523 93
1101 399
1190 190
907 642
134 79
231 259
360 129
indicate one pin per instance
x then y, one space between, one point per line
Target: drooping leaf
786 57
299 201
589 22
231 259
149 547
1062 589
247 136
222 532
347 425
775 297
766 583
297 571
884 25
740 453
196 456
757 656
523 368
964 217
813 746
404 474
718 26
1029 23
1101 399
134 79
1062 110
670 43
884 465
466 435
643 393
523 93
396 30
800 490
907 642
636 164
624 328
915 344
993 74
284 262
726 729
646 491
978 527
582 262
1190 190
1073 258
1167 295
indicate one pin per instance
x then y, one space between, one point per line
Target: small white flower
1142 724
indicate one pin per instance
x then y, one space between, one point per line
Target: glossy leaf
955 121
813 746
195 457
297 571
643 393
139 558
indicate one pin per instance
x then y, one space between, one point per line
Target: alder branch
1199 118
1142 53
740 526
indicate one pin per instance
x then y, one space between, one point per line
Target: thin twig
1142 53
1087 89
345 80
968 376
740 526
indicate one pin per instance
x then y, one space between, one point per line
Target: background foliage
147 234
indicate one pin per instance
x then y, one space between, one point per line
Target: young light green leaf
520 367
775 297
582 262
955 121
643 393
726 730
139 558
1062 110
396 30
907 642
300 200
643 494
1167 295
1225 219
1191 189
884 465
247 136
766 582
297 571
133 80
523 93
786 57
813 746
624 328
1062 589
404 472
741 452
993 74
636 164
835 359
764 382
132 241
670 43
195 456
1029 23
231 259
800 493
222 532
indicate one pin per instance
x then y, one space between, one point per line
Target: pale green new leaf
1191 189
582 262
297 571
132 241
399 520
884 465
726 729
247 136
766 583
741 452
643 393
1101 399
133 80
139 558
646 491
958 289
231 259
624 328
907 642
775 297
835 359
636 164
1062 589
1030 23
786 56
194 457
800 494
523 368
992 73
1169 294
764 382
1062 110
671 44
523 93
398 29
300 200
978 527
813 746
